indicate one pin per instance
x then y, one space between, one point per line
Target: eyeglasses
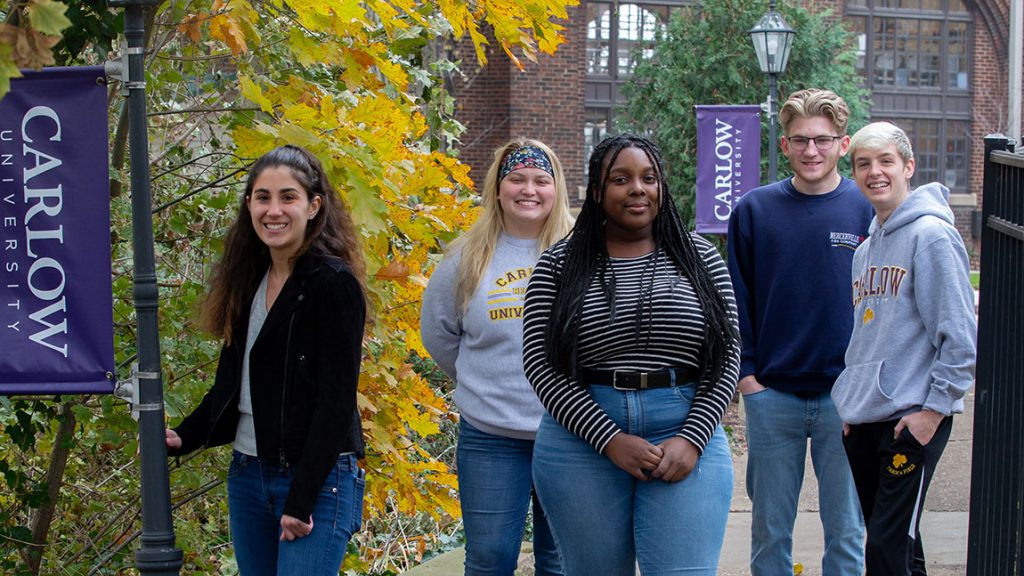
822 143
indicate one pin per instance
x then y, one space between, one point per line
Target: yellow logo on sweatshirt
869 315
505 302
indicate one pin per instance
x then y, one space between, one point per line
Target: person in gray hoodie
471 323
911 355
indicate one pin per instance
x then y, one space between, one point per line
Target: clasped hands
670 461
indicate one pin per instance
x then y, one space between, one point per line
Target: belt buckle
641 386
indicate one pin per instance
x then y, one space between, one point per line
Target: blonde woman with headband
471 323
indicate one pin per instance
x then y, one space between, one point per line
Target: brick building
938 68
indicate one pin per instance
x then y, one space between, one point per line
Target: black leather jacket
303 372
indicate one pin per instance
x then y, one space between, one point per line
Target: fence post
994 528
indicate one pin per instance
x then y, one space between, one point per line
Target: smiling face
883 177
814 170
280 209
631 197
526 196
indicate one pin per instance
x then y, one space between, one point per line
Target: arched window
915 57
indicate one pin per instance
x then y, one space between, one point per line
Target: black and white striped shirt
676 339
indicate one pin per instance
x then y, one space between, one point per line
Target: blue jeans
778 426
256 495
605 521
495 489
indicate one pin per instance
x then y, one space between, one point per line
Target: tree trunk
43 516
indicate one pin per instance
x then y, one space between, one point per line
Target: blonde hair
878 135
477 244
815 102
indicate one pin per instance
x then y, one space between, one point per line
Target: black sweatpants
892 477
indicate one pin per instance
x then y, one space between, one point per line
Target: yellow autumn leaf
299 136
225 27
254 93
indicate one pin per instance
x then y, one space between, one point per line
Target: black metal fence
996 530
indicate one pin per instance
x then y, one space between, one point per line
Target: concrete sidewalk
943 524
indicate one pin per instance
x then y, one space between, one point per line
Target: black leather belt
631 380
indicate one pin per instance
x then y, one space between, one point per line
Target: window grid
911 52
595 128
944 6
617 37
598 38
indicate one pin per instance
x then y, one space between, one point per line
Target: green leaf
47 16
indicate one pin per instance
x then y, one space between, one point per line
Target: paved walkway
943 525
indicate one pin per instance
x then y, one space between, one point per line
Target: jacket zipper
284 389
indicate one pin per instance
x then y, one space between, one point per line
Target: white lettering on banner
37 112
6 160
46 264
14 326
723 169
5 135
51 329
46 278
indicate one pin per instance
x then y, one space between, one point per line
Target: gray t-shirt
245 434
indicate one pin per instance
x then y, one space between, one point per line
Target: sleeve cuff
696 437
940 402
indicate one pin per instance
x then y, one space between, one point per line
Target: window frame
907 105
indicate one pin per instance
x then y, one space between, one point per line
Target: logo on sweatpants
899 466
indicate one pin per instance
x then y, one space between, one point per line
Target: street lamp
158 555
772 39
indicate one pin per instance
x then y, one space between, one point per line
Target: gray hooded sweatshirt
914 329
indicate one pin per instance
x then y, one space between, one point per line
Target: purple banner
728 161
56 314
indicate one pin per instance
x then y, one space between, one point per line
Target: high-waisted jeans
607 522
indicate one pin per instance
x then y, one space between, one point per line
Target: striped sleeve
568 403
710 403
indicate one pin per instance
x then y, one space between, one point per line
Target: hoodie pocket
858 394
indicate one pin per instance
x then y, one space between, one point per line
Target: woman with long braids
471 323
287 299
631 343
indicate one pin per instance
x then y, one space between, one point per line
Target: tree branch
205 110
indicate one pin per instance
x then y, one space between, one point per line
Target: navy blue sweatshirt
790 256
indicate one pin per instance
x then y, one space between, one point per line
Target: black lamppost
772 39
158 554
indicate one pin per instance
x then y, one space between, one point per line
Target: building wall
543 101
546 100
989 96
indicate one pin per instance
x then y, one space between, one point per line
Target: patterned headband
525 157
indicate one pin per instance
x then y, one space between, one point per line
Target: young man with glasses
791 246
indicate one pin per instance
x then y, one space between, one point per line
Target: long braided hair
586 256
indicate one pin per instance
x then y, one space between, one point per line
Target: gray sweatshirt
914 329
482 351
